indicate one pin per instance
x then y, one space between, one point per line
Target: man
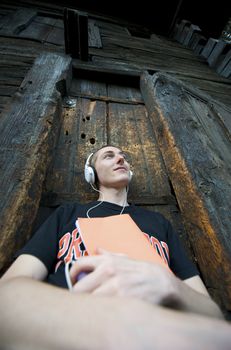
120 301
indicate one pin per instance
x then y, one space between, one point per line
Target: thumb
101 251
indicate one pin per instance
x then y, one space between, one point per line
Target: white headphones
90 173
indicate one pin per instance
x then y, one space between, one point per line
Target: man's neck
114 195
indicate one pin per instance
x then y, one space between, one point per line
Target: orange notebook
117 234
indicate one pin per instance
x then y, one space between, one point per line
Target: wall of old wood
45 141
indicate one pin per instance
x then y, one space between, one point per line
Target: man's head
108 167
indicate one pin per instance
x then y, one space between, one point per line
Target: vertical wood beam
195 145
27 136
76 33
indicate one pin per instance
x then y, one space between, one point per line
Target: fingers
94 269
81 267
90 263
93 280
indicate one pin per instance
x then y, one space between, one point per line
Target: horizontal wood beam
120 69
195 145
53 199
27 136
108 99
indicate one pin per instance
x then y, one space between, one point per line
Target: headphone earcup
89 174
130 175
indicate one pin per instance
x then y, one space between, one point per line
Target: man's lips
121 168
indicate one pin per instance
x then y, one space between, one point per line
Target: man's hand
115 274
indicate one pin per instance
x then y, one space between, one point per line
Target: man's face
112 167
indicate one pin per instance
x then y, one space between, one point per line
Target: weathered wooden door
108 110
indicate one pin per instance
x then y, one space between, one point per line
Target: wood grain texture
27 134
195 145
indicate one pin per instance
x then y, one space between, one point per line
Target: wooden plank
4 102
156 63
45 20
71 32
94 37
196 150
88 87
225 62
184 33
76 33
216 52
214 90
197 39
52 199
55 37
126 93
198 49
83 129
7 90
208 48
192 29
147 47
226 72
130 128
83 35
22 47
9 72
36 30
7 63
17 21
107 99
27 135
180 28
108 25
120 68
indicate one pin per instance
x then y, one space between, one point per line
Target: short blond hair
94 156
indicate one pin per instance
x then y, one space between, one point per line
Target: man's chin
119 182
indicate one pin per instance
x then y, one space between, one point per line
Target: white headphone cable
67 265
67 274
95 206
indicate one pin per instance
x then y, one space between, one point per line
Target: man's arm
39 316
117 275
194 297
28 266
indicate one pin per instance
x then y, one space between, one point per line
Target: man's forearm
38 316
153 283
190 300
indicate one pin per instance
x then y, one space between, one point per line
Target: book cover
117 234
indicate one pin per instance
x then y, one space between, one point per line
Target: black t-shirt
58 241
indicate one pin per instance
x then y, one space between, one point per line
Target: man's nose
120 159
